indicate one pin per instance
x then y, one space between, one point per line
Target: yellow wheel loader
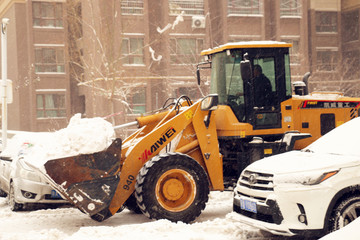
168 166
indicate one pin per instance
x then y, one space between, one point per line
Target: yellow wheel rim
175 190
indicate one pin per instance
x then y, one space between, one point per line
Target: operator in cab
262 88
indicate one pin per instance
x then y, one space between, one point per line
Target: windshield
269 86
342 140
225 75
226 81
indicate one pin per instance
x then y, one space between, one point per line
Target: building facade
120 58
334 45
37 50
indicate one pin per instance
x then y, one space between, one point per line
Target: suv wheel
345 212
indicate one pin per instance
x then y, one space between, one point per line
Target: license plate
55 194
248 205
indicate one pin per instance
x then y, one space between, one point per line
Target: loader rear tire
172 186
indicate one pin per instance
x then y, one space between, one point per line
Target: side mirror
245 68
199 66
210 102
198 75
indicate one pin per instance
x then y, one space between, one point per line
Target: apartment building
334 45
37 65
118 59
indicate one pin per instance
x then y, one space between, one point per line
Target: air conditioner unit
198 22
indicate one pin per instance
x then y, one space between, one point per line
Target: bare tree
97 61
95 56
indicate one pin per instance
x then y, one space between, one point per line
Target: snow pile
81 136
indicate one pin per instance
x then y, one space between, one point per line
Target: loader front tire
172 186
132 205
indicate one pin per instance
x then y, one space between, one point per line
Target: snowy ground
69 223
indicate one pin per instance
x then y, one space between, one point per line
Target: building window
350 22
326 21
326 60
47 14
132 51
137 102
294 50
290 8
132 7
49 60
351 64
185 50
189 7
246 7
50 105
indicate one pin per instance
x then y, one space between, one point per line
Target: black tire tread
338 209
159 162
132 205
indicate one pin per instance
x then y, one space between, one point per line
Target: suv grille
257 181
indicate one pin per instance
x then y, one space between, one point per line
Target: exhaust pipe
306 81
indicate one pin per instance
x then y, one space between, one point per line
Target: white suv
308 192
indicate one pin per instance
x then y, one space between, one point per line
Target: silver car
24 187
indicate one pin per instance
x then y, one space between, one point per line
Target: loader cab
252 78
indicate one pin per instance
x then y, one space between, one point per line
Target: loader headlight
305 178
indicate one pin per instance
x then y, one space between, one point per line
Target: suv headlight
305 178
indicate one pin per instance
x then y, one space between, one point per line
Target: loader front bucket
88 181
